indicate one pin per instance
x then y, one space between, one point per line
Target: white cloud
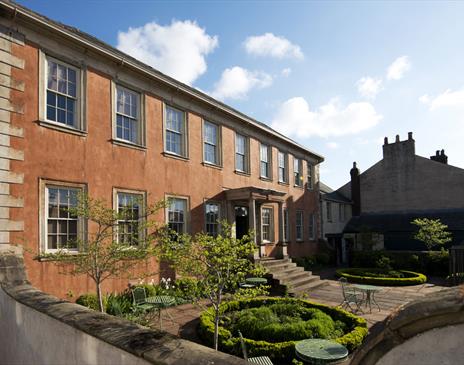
178 49
295 118
286 72
236 82
398 68
273 46
369 87
332 145
448 98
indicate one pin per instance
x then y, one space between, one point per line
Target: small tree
220 263
431 232
102 255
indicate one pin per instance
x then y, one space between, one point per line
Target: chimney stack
399 150
440 157
355 190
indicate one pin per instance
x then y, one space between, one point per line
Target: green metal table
256 281
161 302
319 351
370 291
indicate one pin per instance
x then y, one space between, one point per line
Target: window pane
240 162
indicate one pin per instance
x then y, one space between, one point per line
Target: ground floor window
129 208
266 224
212 217
286 232
312 227
299 225
176 214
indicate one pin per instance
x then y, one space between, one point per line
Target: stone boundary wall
38 328
428 331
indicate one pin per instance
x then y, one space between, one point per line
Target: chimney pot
437 153
410 136
397 138
385 140
442 152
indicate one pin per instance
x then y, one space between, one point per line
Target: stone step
280 267
303 280
291 276
286 270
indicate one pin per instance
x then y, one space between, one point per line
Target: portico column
281 242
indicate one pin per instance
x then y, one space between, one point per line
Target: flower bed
272 326
382 276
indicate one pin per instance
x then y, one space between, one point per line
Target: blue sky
335 76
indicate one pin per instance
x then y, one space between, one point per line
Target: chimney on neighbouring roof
355 190
440 157
399 149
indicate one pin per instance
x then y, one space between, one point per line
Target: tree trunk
99 297
216 329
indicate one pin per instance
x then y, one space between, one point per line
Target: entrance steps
285 272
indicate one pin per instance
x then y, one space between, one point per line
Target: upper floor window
309 176
265 159
177 215
128 115
329 211
211 139
62 93
283 169
266 224
312 226
299 225
175 131
297 172
129 207
212 217
62 226
241 153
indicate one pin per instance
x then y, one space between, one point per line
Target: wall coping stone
157 347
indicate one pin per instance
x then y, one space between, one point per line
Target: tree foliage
101 255
220 263
432 232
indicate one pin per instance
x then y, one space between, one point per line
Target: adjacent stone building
77 115
399 188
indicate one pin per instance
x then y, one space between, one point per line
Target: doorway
241 221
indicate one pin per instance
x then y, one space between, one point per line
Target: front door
241 221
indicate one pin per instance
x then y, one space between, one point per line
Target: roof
327 193
101 47
401 221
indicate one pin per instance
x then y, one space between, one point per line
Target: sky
336 76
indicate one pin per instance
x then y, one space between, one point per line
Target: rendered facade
78 115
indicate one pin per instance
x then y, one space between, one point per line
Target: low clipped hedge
358 275
279 351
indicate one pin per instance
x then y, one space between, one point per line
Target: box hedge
279 351
359 275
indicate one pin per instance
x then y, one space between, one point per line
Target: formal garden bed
272 326
378 276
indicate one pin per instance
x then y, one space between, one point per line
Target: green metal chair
351 296
260 360
140 300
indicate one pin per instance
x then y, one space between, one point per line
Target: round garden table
370 291
256 281
319 351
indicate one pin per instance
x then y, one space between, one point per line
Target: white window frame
284 168
80 125
143 204
298 181
141 139
268 162
299 223
217 223
44 184
270 225
246 155
312 226
184 134
309 176
186 213
217 145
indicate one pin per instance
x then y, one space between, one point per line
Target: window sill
283 183
265 178
298 187
123 143
299 241
62 128
243 173
212 165
45 258
173 155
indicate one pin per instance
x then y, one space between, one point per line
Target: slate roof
401 221
327 193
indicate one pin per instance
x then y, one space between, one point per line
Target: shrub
376 276
90 300
347 328
118 304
